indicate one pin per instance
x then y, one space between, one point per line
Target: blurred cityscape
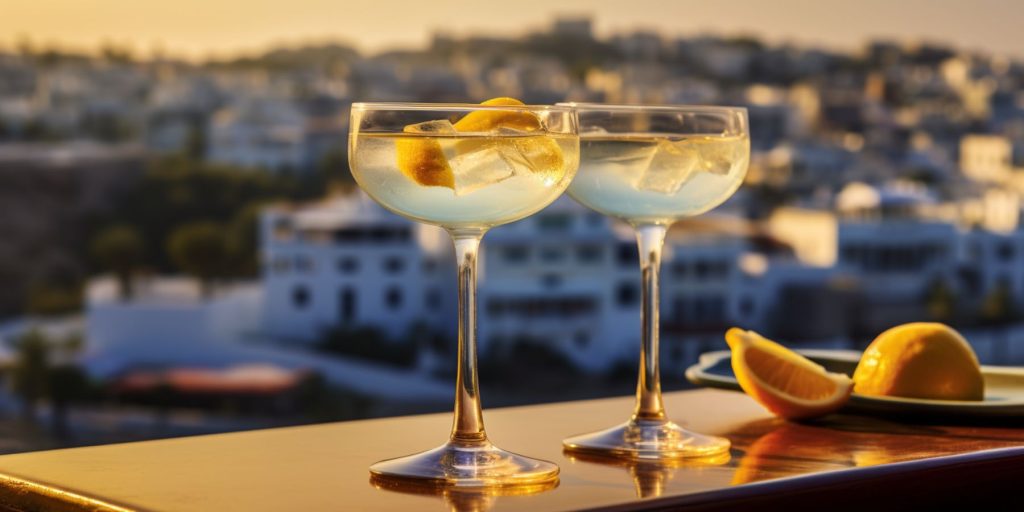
184 250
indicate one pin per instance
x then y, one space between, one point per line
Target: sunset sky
198 28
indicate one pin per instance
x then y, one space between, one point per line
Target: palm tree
119 249
31 369
199 249
940 301
998 310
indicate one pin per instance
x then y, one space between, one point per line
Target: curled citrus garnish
522 148
422 160
487 120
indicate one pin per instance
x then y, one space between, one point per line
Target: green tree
998 310
332 171
67 383
195 143
200 250
998 306
242 241
939 301
30 372
120 249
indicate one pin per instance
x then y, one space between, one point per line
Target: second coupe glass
651 166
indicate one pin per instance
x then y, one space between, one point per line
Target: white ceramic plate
1004 388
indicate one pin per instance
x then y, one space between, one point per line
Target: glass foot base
647 440
466 465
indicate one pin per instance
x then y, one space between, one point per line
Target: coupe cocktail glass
651 166
465 168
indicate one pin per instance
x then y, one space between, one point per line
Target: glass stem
468 426
650 239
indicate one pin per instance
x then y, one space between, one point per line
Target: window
627 294
722 269
347 304
551 280
495 308
393 297
376 234
747 306
676 354
680 269
552 254
581 339
554 222
283 230
515 254
394 265
701 269
1005 252
628 255
300 297
303 263
348 265
350 235
432 299
429 265
281 264
679 307
589 254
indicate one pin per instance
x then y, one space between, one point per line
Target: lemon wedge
784 382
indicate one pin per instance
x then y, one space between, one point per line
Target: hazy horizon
200 30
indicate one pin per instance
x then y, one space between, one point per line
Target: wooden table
845 461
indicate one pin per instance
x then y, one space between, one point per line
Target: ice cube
540 157
671 166
718 156
630 155
431 127
483 165
506 131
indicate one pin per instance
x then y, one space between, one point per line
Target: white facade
569 278
347 263
565 277
986 158
261 133
167 319
559 278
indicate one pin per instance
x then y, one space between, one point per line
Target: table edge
24 495
715 499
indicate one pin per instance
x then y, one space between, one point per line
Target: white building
566 278
986 158
168 324
348 262
263 133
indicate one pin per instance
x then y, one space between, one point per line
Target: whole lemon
920 360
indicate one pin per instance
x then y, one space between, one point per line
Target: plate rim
698 375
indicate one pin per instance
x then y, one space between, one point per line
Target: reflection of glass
465 168
651 166
651 477
461 499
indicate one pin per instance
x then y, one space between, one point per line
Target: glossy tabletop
324 467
